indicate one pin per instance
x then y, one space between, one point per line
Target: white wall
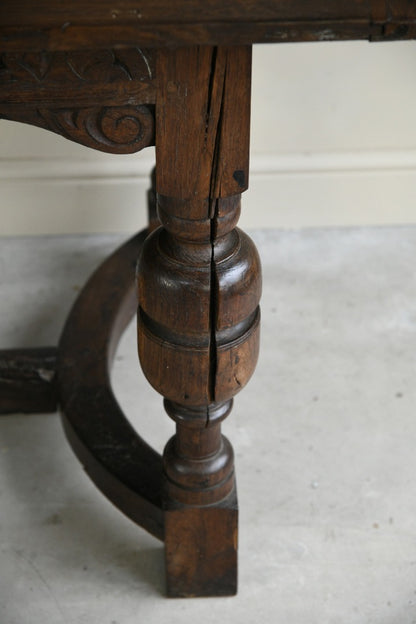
333 143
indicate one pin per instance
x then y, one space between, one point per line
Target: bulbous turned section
198 316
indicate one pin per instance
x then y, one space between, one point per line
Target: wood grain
52 25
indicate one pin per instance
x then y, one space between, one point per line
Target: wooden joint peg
198 318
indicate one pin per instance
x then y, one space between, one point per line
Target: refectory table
118 76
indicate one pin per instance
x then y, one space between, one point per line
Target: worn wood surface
53 25
28 380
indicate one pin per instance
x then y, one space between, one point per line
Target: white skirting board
60 196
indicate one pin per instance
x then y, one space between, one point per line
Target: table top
81 24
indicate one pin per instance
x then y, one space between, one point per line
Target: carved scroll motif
117 129
103 99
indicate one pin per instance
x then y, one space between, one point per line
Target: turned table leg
198 317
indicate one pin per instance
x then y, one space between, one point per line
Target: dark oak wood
192 569
199 288
53 25
28 380
88 71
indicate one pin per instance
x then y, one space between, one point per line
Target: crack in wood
213 315
216 89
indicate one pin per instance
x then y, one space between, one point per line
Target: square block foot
201 549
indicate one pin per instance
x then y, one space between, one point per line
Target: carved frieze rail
103 99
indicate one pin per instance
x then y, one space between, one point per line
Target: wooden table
117 77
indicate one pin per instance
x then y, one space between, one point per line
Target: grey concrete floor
324 436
